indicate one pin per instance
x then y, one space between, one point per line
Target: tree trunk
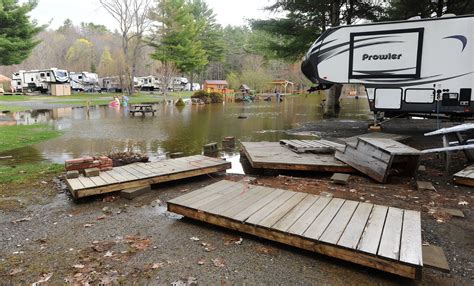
331 105
439 8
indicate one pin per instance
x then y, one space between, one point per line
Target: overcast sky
229 12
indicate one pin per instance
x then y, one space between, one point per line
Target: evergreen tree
178 36
17 32
306 20
405 9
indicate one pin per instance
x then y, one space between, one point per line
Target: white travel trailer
196 86
110 84
148 83
39 80
421 66
84 81
178 83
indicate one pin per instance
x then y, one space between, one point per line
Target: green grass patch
26 173
15 98
17 136
13 108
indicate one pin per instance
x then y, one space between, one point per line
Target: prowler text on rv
421 66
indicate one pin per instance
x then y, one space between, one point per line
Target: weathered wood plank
98 181
291 217
302 224
207 195
251 209
410 248
75 184
252 195
301 242
86 182
269 208
282 210
223 194
354 229
391 235
319 225
370 239
337 226
189 195
271 155
109 179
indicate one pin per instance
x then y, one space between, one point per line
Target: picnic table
142 108
462 142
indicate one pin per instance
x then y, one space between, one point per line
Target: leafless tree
165 72
132 17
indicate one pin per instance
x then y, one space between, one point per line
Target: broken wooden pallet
380 157
273 156
381 237
143 174
312 146
465 176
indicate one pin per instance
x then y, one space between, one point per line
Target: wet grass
12 108
17 136
27 173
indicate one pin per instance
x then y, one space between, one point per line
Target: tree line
182 37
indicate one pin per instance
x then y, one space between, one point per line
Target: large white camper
415 66
84 81
39 80
178 83
148 83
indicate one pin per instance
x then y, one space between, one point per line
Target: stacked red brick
103 163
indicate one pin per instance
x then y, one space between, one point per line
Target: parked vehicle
149 83
38 80
416 66
111 84
178 84
196 86
84 81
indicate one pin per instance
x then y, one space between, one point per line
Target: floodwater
173 129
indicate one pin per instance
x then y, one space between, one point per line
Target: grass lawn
18 136
12 108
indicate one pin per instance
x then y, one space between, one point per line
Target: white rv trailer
148 83
416 66
39 80
84 81
178 83
110 84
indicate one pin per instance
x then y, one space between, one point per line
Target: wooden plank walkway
143 174
271 155
312 146
465 176
384 238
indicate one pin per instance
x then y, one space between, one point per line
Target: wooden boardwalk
271 155
312 146
465 176
143 174
385 238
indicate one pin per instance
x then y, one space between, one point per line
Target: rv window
80 77
42 74
19 82
48 74
388 98
419 95
32 79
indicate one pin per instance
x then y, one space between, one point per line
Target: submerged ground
108 239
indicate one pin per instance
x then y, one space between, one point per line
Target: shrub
216 97
201 94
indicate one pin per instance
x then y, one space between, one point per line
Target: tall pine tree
17 32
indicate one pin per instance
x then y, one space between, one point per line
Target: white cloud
229 12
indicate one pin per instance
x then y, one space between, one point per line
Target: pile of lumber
103 163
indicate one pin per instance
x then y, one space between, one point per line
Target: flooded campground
103 129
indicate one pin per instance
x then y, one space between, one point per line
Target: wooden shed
216 86
281 86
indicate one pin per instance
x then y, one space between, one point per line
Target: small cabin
220 86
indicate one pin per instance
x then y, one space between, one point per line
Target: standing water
186 129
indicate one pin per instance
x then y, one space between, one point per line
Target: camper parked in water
38 80
84 81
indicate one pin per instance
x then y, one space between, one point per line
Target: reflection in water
186 129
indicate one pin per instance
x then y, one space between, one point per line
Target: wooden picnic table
462 142
142 108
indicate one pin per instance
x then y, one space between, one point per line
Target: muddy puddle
101 129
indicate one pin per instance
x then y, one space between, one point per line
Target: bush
213 97
180 102
216 97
